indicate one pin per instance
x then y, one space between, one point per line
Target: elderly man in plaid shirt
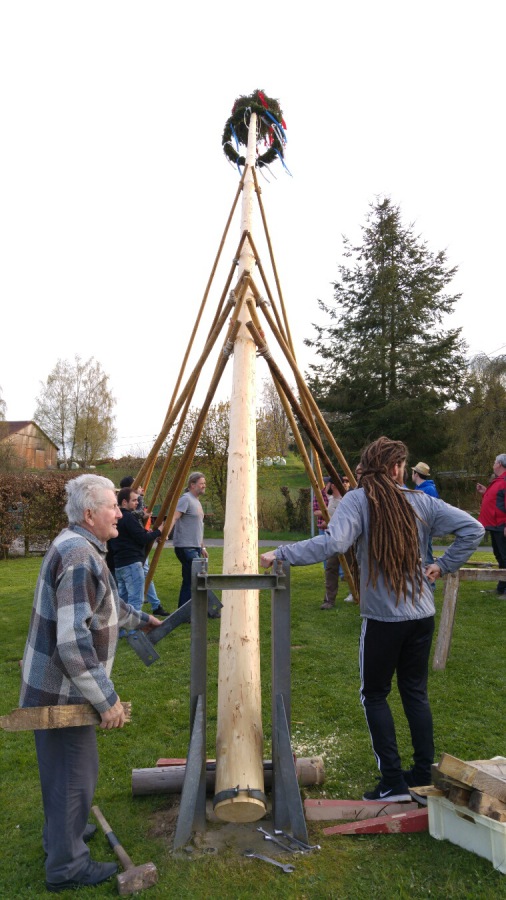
68 659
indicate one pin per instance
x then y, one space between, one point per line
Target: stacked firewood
479 785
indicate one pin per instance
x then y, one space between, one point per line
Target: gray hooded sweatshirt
350 525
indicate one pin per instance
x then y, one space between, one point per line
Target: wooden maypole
239 750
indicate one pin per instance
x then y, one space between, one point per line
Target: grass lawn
327 719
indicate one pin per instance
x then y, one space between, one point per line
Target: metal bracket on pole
287 803
287 809
192 812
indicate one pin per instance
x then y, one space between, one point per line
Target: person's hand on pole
267 559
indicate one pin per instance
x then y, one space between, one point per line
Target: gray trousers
68 769
332 578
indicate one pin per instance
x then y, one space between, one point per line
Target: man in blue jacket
420 475
390 527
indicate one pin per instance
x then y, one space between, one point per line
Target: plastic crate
467 829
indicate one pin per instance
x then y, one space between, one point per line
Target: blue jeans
151 596
130 581
186 555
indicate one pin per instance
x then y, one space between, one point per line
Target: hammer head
137 878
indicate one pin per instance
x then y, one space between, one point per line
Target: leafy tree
387 363
273 428
477 428
75 407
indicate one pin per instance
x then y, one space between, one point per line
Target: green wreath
271 129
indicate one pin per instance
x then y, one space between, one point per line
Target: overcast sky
115 191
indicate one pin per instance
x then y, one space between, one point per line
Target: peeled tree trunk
239 744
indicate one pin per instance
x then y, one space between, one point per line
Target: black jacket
132 543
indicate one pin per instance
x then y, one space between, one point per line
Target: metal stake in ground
134 878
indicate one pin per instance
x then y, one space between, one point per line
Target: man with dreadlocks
391 527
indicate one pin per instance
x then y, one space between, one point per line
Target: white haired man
68 659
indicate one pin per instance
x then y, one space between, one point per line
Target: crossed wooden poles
304 409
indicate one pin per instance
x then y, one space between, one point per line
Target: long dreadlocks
393 536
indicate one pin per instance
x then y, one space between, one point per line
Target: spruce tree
387 365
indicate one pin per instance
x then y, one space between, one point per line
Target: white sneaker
348 599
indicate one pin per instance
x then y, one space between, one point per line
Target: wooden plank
444 636
428 790
330 810
489 574
487 806
33 718
472 776
400 823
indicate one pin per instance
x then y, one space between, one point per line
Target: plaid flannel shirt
74 626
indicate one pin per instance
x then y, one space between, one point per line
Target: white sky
115 191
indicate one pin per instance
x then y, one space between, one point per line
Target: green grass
327 719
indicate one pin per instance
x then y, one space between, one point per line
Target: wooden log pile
479 785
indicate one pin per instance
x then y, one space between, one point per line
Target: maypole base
240 809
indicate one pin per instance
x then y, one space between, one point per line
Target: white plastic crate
469 830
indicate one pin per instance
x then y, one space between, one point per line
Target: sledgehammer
134 878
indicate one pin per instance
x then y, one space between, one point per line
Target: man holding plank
68 659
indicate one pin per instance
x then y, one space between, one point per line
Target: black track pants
401 648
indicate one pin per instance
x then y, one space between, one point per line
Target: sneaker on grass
397 793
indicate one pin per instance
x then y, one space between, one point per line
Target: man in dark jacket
493 514
129 551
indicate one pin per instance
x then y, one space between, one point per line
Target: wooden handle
32 718
120 851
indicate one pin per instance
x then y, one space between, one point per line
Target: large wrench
270 837
285 867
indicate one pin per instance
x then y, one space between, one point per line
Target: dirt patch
219 837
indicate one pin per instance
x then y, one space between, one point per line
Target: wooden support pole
190 385
306 393
169 504
444 637
273 262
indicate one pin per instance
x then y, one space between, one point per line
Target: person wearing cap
493 514
420 475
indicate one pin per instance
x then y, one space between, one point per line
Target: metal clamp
230 793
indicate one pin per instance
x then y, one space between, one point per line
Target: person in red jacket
493 514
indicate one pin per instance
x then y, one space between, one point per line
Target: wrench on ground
270 837
285 867
296 841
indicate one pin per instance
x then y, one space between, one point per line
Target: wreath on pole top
270 129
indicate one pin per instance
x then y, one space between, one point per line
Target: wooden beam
33 718
330 810
399 823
